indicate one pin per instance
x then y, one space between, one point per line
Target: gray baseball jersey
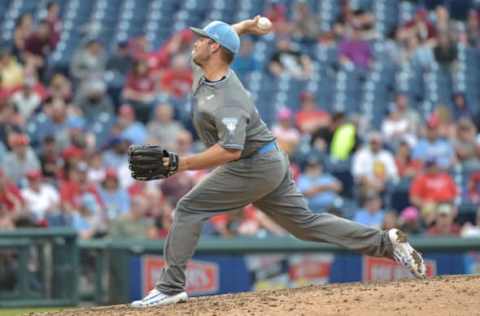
223 112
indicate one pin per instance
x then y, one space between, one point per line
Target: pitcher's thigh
222 190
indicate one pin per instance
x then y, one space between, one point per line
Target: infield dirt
449 295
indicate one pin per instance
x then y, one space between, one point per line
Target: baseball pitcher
249 168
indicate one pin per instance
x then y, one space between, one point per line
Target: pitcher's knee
186 209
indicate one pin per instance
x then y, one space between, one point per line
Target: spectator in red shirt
431 188
444 222
71 155
310 117
177 80
38 46
180 44
139 90
38 43
73 189
474 188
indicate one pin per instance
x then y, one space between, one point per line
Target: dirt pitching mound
450 295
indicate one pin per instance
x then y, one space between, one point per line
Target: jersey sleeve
231 123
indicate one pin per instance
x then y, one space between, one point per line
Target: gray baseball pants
265 181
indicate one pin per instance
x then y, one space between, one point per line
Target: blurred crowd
64 133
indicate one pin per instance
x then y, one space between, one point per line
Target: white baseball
264 23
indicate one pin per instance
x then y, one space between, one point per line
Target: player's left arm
250 26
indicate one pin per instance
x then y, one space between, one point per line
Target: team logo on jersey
230 123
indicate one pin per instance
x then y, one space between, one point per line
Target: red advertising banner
382 269
202 276
310 269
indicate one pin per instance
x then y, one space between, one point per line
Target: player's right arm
250 26
214 156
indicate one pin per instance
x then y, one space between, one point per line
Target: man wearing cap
75 187
433 145
371 214
131 129
373 167
319 188
444 221
21 159
432 187
249 169
92 99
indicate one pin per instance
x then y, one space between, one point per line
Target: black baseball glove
151 162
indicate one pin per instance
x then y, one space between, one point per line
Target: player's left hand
151 162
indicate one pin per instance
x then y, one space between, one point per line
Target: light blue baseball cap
222 33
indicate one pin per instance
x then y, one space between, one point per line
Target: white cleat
156 298
405 255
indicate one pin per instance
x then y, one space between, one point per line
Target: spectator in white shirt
26 100
41 198
374 167
401 106
396 128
